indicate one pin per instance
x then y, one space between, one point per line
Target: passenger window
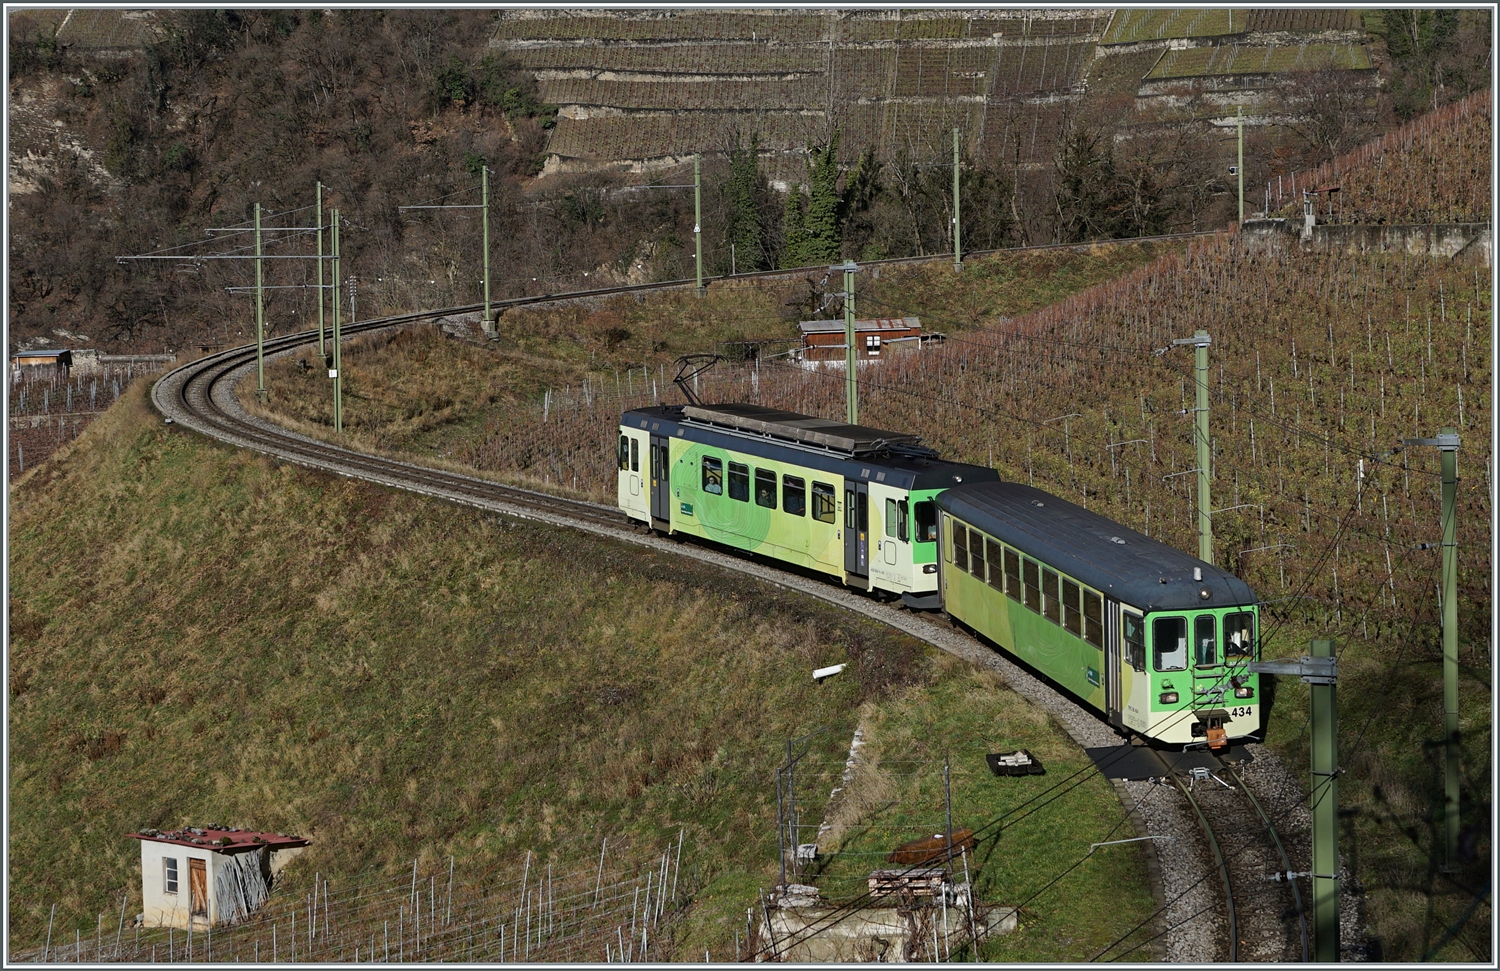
1093 619
1013 575
1050 602
1072 615
994 555
794 495
903 528
825 502
1169 636
1135 641
1239 635
713 476
739 481
1205 641
765 488
926 512
635 455
890 517
1032 574
624 452
961 547
976 553
849 509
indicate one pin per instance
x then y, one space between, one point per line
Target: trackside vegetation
199 633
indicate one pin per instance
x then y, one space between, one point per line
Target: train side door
1113 675
661 481
857 529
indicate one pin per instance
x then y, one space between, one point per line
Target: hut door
198 887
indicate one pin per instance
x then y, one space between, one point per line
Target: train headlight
1169 697
1245 692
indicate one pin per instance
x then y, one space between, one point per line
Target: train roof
1114 559
896 459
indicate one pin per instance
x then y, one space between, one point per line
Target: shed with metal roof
200 876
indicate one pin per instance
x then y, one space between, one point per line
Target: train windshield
1205 641
1239 635
1169 637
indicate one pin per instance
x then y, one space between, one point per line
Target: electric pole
260 329
1240 168
958 252
335 371
1447 444
484 201
322 349
698 219
851 384
1201 342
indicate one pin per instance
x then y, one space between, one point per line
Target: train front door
661 481
857 532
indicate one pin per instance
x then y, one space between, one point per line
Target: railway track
1260 918
200 397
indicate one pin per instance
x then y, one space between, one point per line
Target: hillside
136 133
1321 364
198 633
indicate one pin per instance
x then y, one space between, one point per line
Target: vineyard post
1447 444
322 343
698 219
958 252
260 329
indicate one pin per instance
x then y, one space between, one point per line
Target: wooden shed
206 875
823 340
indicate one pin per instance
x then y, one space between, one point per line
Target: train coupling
1209 726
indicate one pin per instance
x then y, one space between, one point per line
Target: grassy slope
198 633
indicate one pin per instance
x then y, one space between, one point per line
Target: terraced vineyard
1276 59
1304 19
1134 26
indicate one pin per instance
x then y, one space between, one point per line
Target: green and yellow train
1155 640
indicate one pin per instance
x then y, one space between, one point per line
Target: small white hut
209 874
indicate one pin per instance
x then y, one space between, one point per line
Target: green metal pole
1450 646
698 218
484 189
1240 168
338 371
1324 792
958 252
851 383
260 328
322 345
1205 458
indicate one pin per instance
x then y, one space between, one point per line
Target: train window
1093 618
739 481
1205 641
849 509
1013 575
765 488
794 495
976 553
1169 634
890 517
635 455
713 476
1239 635
825 502
1135 641
624 452
961 547
1050 604
926 512
1032 574
1072 615
903 528
994 555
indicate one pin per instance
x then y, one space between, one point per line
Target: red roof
221 840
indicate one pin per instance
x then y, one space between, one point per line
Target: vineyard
761 94
1134 26
1280 59
1313 19
46 409
1436 169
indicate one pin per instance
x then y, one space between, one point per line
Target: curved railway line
200 396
